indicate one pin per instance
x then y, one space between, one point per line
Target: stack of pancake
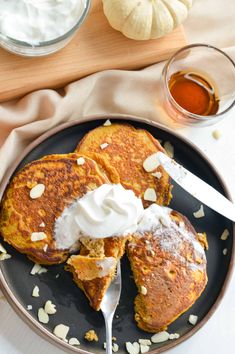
112 154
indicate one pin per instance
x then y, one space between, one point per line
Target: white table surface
217 336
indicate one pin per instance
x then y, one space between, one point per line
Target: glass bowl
209 62
27 49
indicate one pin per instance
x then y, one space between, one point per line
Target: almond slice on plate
144 348
61 331
160 337
133 348
35 292
169 149
200 213
43 316
150 195
151 163
107 123
80 161
37 191
224 235
50 308
74 341
104 145
193 319
38 236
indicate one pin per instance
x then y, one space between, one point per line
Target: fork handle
108 326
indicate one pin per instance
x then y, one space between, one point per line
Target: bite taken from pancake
37 196
168 262
122 149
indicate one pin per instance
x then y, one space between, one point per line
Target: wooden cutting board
95 47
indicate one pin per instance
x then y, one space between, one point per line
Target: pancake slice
21 216
122 149
169 267
94 268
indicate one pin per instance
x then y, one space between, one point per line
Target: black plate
72 307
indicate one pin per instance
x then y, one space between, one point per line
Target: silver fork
109 305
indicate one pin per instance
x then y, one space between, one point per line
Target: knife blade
197 187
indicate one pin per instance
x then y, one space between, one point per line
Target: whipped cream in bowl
39 27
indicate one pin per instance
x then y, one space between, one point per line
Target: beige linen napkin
121 92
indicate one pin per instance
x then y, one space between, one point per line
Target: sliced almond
42 270
144 348
50 308
45 248
104 145
225 235
107 123
37 269
37 191
143 290
145 341
158 175
169 149
80 161
160 337
150 195
2 249
200 213
4 256
133 348
42 316
61 331
193 319
35 292
225 251
38 236
42 224
74 341
115 347
216 134
151 163
174 336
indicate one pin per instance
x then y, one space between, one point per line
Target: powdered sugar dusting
173 237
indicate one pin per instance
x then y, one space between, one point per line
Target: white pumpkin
146 19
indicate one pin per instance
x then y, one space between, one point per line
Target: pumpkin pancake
169 267
94 268
28 224
122 155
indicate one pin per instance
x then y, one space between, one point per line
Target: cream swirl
107 211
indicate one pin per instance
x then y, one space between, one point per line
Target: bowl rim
194 117
51 42
25 315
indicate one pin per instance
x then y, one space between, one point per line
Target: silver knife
197 187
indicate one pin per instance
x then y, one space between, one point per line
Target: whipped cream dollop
153 217
35 21
107 211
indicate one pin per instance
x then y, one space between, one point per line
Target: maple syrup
194 93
